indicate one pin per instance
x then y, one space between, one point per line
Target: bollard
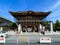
28 40
17 41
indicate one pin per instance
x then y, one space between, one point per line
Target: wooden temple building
4 24
29 20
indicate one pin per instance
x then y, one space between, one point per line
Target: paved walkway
30 44
34 39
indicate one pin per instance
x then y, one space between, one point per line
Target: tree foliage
57 25
11 24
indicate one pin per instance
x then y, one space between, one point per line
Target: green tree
57 25
47 24
11 24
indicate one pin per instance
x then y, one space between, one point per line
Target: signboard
2 38
45 40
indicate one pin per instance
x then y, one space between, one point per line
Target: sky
34 5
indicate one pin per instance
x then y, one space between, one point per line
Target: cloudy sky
34 5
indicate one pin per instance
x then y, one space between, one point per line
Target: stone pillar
51 27
19 28
1 28
43 28
40 27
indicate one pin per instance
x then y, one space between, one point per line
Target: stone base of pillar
26 32
21 32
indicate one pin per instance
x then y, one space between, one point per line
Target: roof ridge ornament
30 12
